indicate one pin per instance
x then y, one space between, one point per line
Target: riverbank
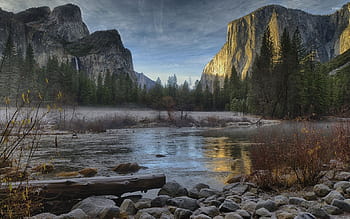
329 199
85 119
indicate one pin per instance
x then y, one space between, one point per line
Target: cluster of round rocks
241 200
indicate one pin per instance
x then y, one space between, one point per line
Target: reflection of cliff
227 156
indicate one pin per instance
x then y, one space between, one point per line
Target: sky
169 37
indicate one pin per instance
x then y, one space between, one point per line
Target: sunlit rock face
61 33
328 34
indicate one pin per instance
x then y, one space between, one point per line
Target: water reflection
228 156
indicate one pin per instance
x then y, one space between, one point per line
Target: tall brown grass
284 159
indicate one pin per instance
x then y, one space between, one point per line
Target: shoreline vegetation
81 121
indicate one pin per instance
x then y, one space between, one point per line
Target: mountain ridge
326 33
62 33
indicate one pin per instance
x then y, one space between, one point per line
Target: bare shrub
21 128
283 159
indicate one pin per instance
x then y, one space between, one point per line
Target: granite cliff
61 33
328 34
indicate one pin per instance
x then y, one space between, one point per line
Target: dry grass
97 125
285 159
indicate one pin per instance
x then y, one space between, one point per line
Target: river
191 155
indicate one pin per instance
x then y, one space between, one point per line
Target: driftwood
85 187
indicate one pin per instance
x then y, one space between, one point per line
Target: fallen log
85 187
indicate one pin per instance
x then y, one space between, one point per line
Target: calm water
192 155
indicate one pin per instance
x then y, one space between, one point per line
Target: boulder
200 216
181 213
281 200
193 193
160 201
97 207
319 213
75 214
310 196
268 204
128 207
333 195
211 211
125 168
155 212
173 189
284 215
309 204
233 216
201 186
184 202
236 188
166 216
263 212
245 214
207 192
343 205
296 200
333 210
143 203
235 198
249 206
341 186
303 215
321 190
145 216
343 176
228 206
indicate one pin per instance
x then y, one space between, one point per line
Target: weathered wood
85 187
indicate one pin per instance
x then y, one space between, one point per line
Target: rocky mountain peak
61 33
33 14
105 39
66 22
67 13
329 34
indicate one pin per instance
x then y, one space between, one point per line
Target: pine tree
284 69
198 96
262 91
10 70
216 93
99 89
207 99
28 74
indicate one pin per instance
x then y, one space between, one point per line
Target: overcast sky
171 36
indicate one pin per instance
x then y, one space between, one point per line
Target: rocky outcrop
328 34
144 82
100 52
61 33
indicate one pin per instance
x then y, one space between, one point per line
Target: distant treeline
287 84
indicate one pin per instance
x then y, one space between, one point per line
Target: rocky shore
329 199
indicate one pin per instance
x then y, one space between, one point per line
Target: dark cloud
171 36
